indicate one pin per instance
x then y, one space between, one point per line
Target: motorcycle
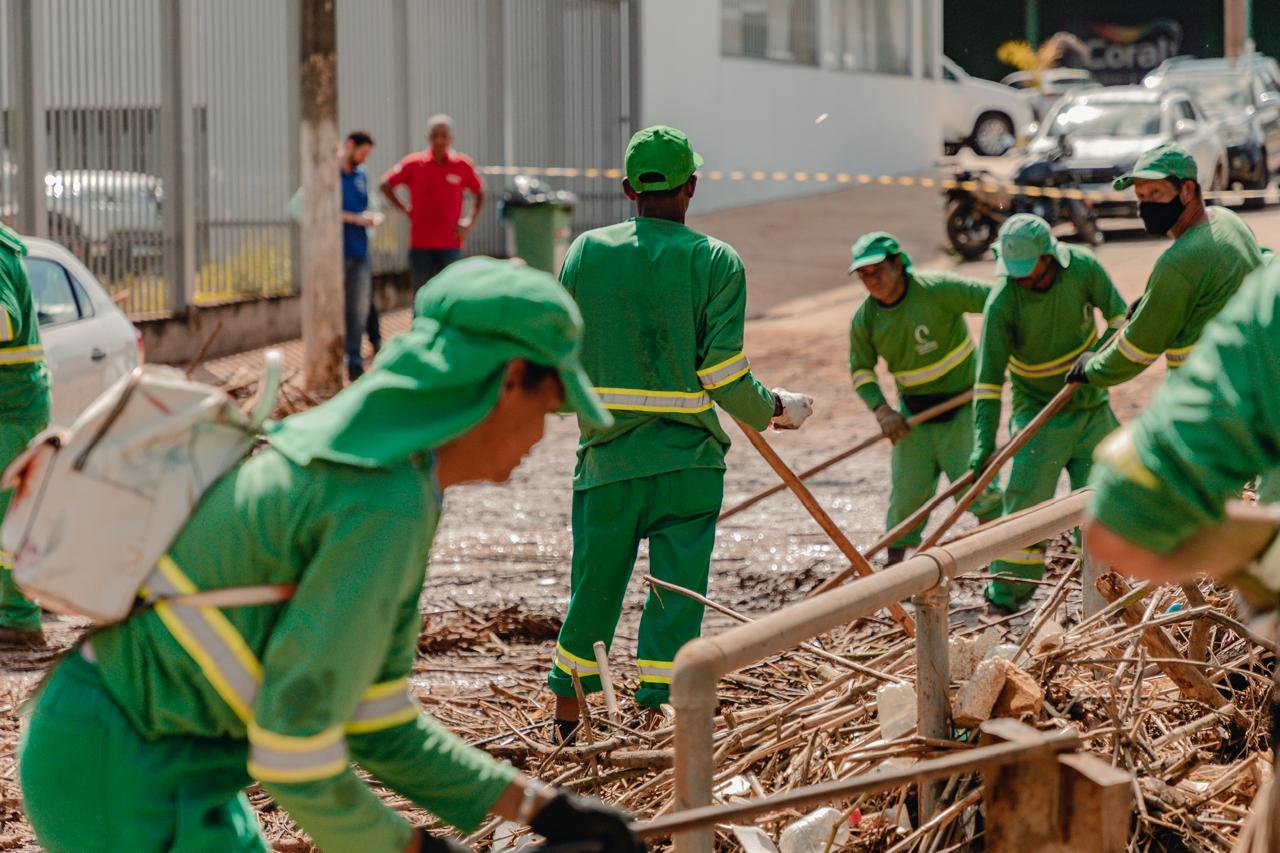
974 216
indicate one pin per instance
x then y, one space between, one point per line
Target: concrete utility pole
1235 26
321 244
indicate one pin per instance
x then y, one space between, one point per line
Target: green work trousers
1065 442
924 453
90 781
16 611
677 513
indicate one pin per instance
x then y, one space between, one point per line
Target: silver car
1109 128
88 341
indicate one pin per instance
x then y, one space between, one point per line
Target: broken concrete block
1050 636
1021 695
977 697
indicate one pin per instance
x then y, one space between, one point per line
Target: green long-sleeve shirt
1037 337
922 338
1188 286
663 308
320 681
24 376
1213 426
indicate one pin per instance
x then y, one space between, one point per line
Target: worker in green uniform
1213 250
914 320
24 411
146 736
664 308
1038 323
1162 482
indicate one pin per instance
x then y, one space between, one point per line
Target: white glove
796 409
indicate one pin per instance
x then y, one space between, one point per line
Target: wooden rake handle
914 421
856 561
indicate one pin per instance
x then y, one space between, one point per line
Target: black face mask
1159 216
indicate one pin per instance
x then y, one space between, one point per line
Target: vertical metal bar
293 129
635 44
916 40
933 674
30 34
175 138
1033 22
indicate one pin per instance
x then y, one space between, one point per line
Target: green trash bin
538 220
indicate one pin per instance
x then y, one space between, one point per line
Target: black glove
566 817
1077 373
432 844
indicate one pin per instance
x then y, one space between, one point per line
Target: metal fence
171 126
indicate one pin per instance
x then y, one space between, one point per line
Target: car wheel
992 134
970 231
1264 181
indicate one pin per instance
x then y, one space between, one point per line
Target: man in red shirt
436 178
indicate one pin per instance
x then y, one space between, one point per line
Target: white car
987 116
88 341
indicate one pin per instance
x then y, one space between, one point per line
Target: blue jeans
425 263
360 312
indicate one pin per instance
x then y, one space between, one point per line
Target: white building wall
753 114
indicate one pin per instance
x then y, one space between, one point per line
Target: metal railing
701 663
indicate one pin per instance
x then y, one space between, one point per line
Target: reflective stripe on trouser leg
606 535
681 528
16 610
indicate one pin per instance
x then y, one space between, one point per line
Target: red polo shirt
435 196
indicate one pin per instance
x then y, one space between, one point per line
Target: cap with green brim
875 247
660 158
1024 239
1167 160
442 377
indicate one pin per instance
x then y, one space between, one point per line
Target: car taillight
142 348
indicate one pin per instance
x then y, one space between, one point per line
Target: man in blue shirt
361 313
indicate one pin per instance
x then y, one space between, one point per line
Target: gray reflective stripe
22 355
269 763
653 401
229 675
724 372
371 710
940 368
568 662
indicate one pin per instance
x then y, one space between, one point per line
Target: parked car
88 341
110 218
1244 98
1264 65
1043 88
1108 128
984 115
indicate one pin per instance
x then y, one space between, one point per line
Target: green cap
444 375
1024 239
875 247
664 155
1167 160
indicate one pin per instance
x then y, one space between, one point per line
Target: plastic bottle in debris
895 710
811 832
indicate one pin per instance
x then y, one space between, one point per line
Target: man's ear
1189 191
628 189
691 186
513 376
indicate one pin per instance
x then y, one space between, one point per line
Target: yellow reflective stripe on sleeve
640 400
568 661
1176 356
280 758
720 375
207 635
654 671
8 326
1133 353
986 391
1116 321
863 377
21 355
940 368
1117 452
383 706
1025 557
1061 364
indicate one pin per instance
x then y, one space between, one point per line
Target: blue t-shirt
355 199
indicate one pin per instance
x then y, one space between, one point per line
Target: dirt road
508 543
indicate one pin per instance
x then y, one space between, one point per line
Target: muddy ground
511 543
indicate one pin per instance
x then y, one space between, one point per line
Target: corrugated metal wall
528 82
